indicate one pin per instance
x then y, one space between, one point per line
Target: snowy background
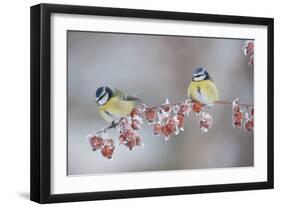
155 68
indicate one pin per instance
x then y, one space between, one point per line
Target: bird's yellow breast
204 91
115 108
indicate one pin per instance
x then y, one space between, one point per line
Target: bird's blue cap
199 71
101 91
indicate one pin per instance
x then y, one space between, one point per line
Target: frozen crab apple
248 48
96 142
197 106
181 119
108 148
150 115
169 127
157 128
237 115
249 125
183 109
136 123
135 112
206 121
167 131
130 139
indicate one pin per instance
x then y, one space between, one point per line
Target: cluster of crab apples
165 120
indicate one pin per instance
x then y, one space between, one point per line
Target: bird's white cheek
200 78
103 100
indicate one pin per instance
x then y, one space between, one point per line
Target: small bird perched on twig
202 88
113 103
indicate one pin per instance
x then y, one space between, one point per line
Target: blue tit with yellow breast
113 103
202 88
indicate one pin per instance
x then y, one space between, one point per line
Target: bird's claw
114 124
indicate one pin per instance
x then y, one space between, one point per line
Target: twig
169 104
112 125
229 102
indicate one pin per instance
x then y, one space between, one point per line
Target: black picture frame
41 102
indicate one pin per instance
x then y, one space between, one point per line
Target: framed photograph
133 103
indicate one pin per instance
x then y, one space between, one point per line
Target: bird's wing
118 93
191 91
115 108
106 115
123 96
209 91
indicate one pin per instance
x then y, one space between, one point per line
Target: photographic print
132 103
148 102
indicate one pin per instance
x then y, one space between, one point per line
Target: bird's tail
132 98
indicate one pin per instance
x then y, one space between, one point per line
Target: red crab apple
237 124
167 131
96 142
157 128
236 109
205 121
122 139
150 115
138 140
250 47
108 148
134 112
197 107
166 108
238 116
183 109
135 124
171 124
249 125
181 120
131 142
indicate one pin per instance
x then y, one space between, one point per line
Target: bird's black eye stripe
101 97
196 76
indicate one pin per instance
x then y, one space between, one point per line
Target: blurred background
155 68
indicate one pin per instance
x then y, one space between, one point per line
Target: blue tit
113 103
202 88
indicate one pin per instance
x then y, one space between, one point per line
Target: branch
166 119
115 124
230 103
112 125
166 104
